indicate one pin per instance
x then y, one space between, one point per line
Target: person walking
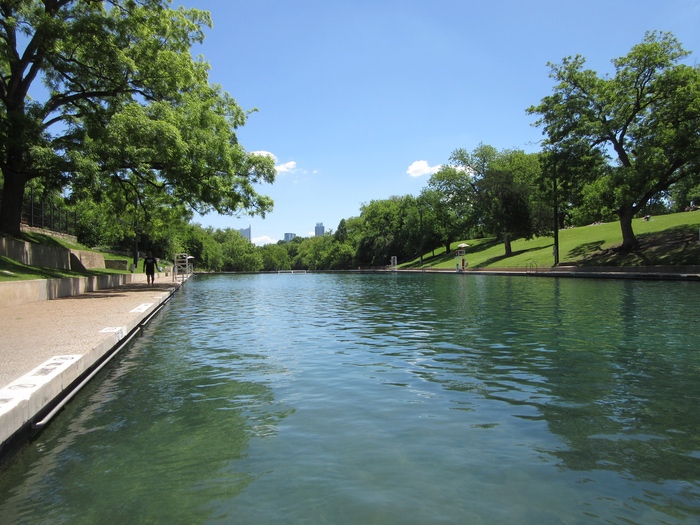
149 266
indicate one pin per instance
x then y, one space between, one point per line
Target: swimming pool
384 398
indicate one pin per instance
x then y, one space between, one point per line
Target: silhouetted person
149 265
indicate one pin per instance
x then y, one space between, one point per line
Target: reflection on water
385 399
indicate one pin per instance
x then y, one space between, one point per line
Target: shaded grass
11 270
666 240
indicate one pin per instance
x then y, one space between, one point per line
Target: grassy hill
11 270
666 240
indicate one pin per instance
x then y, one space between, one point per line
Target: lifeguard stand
461 261
183 266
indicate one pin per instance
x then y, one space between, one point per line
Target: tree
646 119
501 187
275 257
112 210
503 203
685 194
200 243
239 254
450 198
122 99
341 233
565 174
436 227
390 227
323 252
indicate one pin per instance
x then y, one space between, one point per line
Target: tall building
289 236
245 233
320 230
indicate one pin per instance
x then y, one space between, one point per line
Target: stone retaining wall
46 256
33 254
81 260
14 293
117 264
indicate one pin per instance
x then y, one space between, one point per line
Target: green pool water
387 398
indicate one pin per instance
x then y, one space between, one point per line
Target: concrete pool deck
46 347
652 273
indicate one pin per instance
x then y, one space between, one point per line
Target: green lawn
664 240
11 270
671 240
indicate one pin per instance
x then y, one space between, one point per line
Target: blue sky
362 100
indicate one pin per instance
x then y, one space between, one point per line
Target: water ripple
385 399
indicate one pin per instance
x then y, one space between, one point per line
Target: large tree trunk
11 204
629 241
506 242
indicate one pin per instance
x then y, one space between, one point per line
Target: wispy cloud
286 167
262 241
421 167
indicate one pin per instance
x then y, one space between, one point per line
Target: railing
48 216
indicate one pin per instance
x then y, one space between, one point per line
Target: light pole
420 215
556 221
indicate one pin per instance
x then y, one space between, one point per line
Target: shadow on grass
434 260
11 270
40 238
481 246
677 246
494 260
585 250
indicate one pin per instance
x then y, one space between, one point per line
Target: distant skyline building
245 233
289 236
320 230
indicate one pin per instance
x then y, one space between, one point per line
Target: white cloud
420 168
262 241
286 167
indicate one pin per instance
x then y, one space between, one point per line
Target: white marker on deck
119 330
24 387
141 308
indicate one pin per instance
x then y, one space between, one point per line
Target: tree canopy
645 120
490 192
121 99
103 103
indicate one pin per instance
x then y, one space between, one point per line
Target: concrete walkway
653 273
46 346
